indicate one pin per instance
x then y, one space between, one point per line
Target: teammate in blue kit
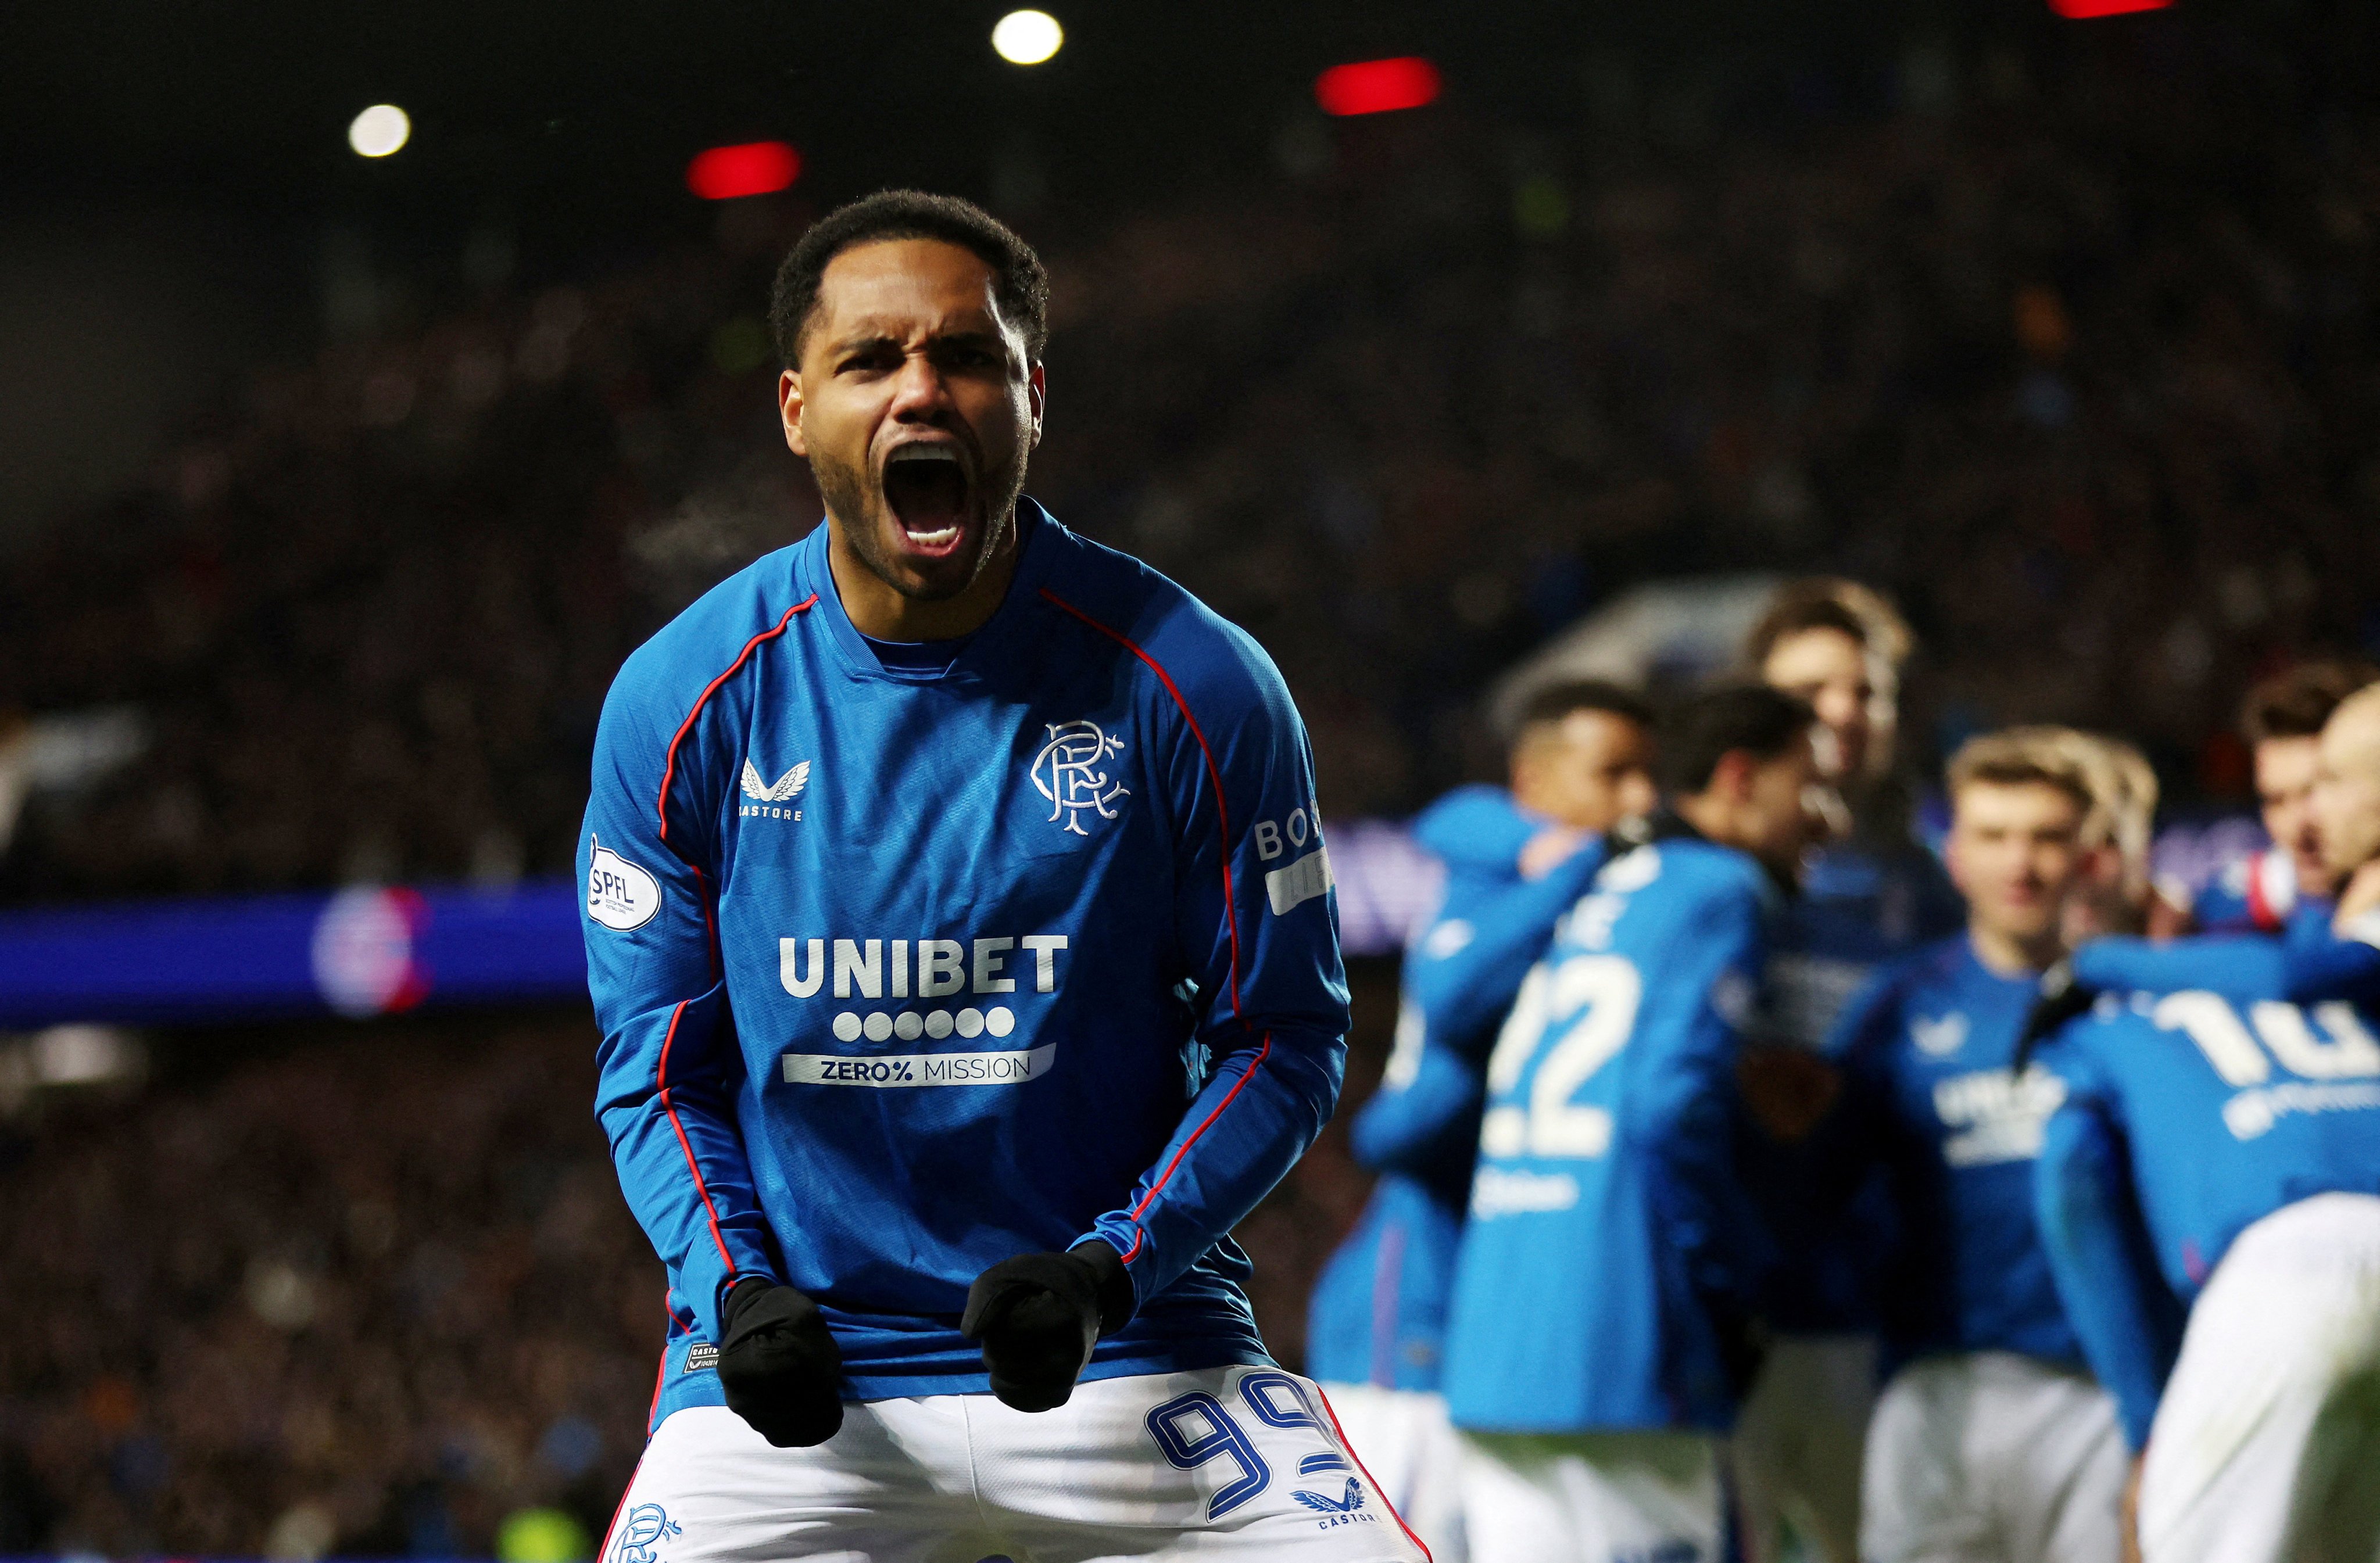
1990 1443
1870 893
1514 860
2281 721
1601 1331
2225 1157
963 939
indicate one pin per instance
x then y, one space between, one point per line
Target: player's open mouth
926 486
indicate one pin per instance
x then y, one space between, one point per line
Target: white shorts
2268 1442
1224 1462
1799 1446
1988 1457
1591 1498
1411 1448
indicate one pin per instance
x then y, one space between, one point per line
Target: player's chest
898 793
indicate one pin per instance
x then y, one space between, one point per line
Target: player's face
2016 853
2345 799
1589 771
2284 772
1848 689
917 409
1782 812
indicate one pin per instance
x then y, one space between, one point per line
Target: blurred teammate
1870 894
1377 1332
963 939
1991 1442
2282 720
2226 1155
1601 1330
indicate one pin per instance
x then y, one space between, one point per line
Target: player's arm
667 1068
2304 967
1421 1114
2100 1254
1463 988
1257 930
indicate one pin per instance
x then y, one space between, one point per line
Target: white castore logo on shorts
1071 771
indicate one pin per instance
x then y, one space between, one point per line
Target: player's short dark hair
1556 701
2296 702
1829 602
1020 282
1700 729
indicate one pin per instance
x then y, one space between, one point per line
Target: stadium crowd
2071 372
2076 368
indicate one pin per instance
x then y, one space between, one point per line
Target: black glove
782 1372
2060 1000
1039 1315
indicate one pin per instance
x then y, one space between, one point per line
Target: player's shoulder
1686 879
1475 823
1214 666
669 673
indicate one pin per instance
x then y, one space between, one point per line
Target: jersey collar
1041 543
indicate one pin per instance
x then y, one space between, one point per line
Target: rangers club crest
642 1529
1071 771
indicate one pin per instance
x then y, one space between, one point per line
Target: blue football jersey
1857 910
900 972
2308 960
1378 1310
2188 1117
1929 1096
1608 1236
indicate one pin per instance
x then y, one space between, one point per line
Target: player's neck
2004 954
882 612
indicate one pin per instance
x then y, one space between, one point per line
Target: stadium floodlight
1026 38
750 169
1377 86
380 130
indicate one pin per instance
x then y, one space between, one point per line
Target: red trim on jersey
1239 1085
2260 908
661 1089
1214 777
669 762
1386 1502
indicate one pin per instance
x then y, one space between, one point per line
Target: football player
1870 893
2224 1156
963 939
1991 1442
1580 764
1602 1329
2281 720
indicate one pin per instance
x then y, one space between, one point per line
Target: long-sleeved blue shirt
2305 963
2188 1117
1929 1096
1610 1236
902 971
1378 1310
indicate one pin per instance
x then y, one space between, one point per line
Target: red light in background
1377 86
754 168
2084 10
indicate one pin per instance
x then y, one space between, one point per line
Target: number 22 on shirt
1569 1020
